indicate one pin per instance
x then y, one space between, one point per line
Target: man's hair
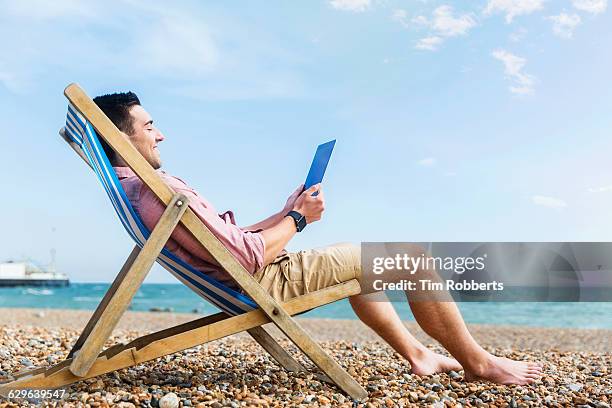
117 107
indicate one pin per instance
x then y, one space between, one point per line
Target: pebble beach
236 372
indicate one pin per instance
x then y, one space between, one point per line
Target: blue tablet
319 164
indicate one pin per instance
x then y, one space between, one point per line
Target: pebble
414 397
575 387
169 400
432 398
235 372
454 375
26 362
580 400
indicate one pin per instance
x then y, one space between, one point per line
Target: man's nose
160 137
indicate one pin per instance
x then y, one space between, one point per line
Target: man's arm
272 220
247 247
267 223
277 236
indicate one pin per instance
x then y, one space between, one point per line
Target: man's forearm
277 237
269 222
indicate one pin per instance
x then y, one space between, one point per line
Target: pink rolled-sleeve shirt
247 246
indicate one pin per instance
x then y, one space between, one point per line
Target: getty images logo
411 264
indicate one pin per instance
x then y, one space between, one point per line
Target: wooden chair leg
127 288
282 357
265 340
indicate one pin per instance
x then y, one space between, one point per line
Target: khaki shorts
295 274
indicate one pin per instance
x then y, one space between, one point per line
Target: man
260 249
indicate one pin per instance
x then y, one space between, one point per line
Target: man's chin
155 164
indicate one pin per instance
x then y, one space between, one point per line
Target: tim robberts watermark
412 264
489 271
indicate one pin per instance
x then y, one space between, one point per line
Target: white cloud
176 44
518 35
184 50
549 202
421 21
427 162
401 16
564 24
428 43
591 6
513 68
443 24
356 6
513 8
603 189
447 25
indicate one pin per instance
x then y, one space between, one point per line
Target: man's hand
291 200
277 236
311 207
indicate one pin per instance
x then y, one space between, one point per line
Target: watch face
301 223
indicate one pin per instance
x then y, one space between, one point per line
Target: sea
180 299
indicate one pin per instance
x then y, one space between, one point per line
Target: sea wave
86 299
37 292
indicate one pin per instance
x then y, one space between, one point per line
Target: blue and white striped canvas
83 134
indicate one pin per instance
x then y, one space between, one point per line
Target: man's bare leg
443 322
380 316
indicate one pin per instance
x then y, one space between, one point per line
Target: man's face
145 137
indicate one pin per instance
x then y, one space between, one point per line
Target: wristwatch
299 219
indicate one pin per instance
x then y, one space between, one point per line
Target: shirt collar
124 172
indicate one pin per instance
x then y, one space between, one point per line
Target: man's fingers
313 189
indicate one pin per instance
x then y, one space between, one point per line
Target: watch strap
299 219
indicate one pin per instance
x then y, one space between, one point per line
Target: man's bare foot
502 370
427 363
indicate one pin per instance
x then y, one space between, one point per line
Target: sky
455 121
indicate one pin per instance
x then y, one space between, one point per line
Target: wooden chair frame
86 359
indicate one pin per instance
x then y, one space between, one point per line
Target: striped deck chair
246 311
